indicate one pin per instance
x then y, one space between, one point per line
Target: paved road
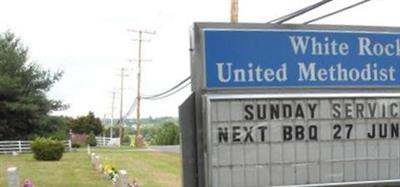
166 148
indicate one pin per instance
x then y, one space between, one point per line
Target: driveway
166 148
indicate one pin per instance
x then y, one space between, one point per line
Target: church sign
282 105
300 58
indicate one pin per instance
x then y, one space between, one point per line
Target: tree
87 124
55 127
24 105
166 134
92 139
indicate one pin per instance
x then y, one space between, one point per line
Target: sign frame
202 96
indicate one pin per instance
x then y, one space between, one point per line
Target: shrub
126 140
92 139
75 145
47 149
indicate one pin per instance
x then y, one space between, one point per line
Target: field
150 169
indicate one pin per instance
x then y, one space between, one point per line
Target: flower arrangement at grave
27 183
111 172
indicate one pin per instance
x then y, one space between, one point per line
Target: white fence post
70 145
13 179
104 141
119 142
19 146
123 178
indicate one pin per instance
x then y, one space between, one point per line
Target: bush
47 149
92 139
126 140
75 145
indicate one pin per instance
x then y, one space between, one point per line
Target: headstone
14 153
13 179
114 184
123 178
88 149
97 162
100 168
93 159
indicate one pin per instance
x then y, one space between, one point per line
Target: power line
133 106
172 93
167 91
292 15
277 20
131 109
336 12
173 90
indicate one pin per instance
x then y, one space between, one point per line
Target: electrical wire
175 89
336 12
170 94
167 91
292 15
161 95
131 109
279 20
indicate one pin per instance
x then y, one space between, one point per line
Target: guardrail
23 146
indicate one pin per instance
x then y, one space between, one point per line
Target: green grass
150 169
72 170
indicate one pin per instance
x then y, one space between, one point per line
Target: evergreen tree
24 105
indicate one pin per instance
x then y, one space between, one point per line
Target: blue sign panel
301 58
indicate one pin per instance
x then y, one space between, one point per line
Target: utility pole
104 123
234 11
139 143
112 114
121 106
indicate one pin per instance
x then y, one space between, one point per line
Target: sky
89 41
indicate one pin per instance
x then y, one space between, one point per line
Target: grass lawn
150 169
